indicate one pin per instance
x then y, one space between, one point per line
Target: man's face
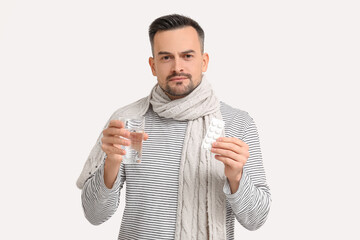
178 62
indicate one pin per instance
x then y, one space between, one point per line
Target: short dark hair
174 21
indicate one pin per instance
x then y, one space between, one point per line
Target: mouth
175 79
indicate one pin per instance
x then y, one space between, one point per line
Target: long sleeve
251 203
99 202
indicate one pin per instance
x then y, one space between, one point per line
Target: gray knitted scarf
201 211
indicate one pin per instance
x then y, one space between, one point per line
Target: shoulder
132 109
236 120
230 113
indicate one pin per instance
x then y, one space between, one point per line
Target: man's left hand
233 153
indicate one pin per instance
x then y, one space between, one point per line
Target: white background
66 66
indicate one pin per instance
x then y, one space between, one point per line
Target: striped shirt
152 186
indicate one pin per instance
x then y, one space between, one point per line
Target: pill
213 132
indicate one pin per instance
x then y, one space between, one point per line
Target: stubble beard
175 91
185 89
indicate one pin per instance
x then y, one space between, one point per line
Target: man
180 190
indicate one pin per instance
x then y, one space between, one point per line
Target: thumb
146 136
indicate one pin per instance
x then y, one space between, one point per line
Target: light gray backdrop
66 66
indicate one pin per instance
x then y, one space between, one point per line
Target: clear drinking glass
135 125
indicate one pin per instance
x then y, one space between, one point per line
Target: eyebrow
167 53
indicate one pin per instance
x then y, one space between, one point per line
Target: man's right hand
114 136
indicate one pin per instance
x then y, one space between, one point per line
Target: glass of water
135 125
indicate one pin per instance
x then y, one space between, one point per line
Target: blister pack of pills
214 131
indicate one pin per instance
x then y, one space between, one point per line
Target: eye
188 56
165 58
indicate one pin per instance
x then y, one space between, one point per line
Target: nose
177 65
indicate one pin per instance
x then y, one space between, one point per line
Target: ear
205 62
152 65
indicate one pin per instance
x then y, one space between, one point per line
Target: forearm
98 201
234 184
111 170
250 203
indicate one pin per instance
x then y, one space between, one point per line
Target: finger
146 136
116 132
114 157
109 139
116 123
227 161
233 140
230 162
228 146
110 149
226 153
232 147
